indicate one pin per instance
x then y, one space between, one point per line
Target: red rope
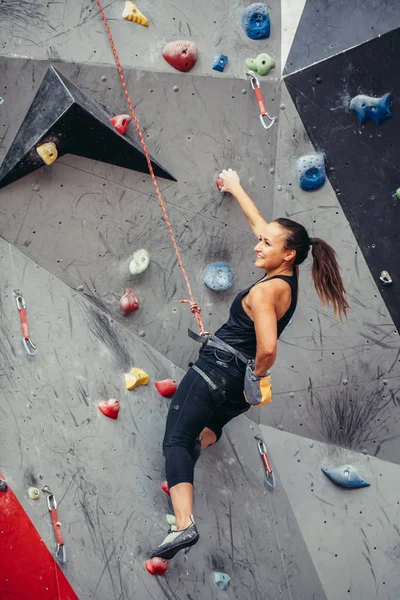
193 305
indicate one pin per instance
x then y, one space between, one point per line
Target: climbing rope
193 305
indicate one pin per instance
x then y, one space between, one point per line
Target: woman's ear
290 255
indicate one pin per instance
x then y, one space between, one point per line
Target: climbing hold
132 13
1 100
128 302
371 109
47 152
222 580
181 55
345 476
398 193
3 486
142 333
136 377
165 488
385 278
166 387
218 277
219 183
256 21
311 170
121 122
175 88
110 408
171 520
262 64
156 566
33 493
139 263
219 63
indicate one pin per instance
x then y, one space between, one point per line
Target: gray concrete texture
78 222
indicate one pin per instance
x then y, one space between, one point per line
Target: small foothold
128 302
385 382
103 78
121 122
291 394
218 277
136 377
219 183
371 109
166 387
311 171
139 263
80 288
132 13
219 63
345 476
1 100
35 188
281 427
262 64
256 22
47 152
222 580
311 445
165 488
244 92
385 278
3 486
142 333
398 193
110 408
182 55
279 188
156 566
175 88
283 107
33 493
171 520
364 451
272 170
345 381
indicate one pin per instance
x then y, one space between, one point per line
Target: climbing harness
255 84
60 552
193 305
26 340
269 474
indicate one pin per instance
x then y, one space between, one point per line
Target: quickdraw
60 552
255 84
26 340
269 474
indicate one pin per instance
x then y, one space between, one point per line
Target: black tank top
239 330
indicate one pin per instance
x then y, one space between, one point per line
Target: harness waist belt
216 342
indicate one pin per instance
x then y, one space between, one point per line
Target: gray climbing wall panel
68 232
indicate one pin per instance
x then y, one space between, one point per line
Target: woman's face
270 250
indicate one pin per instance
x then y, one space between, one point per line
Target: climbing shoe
177 540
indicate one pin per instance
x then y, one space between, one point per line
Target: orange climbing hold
121 122
110 408
47 152
181 55
166 387
132 13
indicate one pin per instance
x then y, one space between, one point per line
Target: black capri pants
195 406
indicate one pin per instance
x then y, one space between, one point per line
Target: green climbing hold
398 193
261 65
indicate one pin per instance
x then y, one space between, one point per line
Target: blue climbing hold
311 169
218 277
372 109
220 62
256 21
222 580
345 476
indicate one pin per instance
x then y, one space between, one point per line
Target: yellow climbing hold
47 152
136 377
132 13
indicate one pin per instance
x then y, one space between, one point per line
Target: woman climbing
232 371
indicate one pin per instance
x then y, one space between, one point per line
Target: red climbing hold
128 302
219 184
166 387
157 566
181 55
165 488
110 408
121 122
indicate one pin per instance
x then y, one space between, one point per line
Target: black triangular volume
63 114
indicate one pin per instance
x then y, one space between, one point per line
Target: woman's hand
230 180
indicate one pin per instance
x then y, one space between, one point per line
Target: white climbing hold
139 263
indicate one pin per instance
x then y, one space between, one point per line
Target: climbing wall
68 232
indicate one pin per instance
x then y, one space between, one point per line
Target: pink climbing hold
121 122
129 302
110 408
166 387
219 184
165 488
181 55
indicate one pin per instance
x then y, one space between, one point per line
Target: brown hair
325 269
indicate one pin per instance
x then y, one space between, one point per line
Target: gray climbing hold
142 333
175 88
3 486
103 78
345 476
372 109
222 580
1 100
385 278
218 277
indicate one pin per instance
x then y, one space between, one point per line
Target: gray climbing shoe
177 540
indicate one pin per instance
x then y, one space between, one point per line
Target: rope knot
194 308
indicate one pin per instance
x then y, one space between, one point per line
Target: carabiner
269 474
61 554
255 84
26 340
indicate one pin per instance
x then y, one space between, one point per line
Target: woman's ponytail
326 277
